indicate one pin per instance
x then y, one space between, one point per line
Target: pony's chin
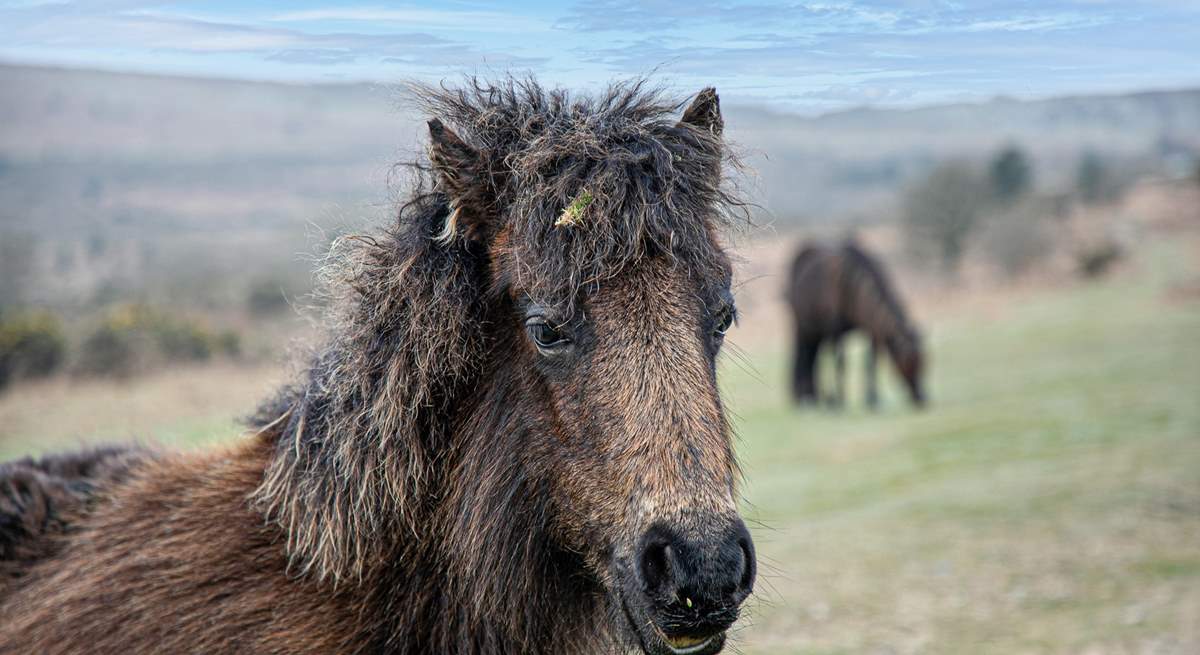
659 644
694 645
652 641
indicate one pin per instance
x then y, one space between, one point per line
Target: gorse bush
134 337
31 345
183 341
108 350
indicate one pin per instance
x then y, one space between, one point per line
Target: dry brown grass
183 407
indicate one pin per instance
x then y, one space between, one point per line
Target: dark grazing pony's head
524 381
907 351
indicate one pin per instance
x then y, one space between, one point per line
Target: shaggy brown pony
833 291
511 442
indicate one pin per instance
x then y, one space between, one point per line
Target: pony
833 290
510 441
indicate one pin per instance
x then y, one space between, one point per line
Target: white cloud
417 17
140 28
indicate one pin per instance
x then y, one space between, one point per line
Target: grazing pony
834 290
511 441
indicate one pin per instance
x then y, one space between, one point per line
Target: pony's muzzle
691 583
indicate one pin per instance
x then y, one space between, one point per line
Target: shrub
1094 182
266 297
31 345
942 212
16 267
228 343
181 341
1097 259
1016 240
133 337
1011 175
108 350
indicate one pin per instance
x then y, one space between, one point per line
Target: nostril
656 565
746 583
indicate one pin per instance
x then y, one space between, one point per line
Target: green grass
1048 501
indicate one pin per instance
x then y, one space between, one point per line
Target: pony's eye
723 323
544 335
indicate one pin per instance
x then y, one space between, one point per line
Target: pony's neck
515 588
875 309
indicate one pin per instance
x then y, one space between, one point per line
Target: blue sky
802 56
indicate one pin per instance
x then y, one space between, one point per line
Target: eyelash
726 319
544 335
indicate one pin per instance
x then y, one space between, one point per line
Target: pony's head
598 219
521 392
907 351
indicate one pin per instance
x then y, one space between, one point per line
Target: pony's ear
458 173
705 112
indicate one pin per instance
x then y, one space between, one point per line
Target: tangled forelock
654 185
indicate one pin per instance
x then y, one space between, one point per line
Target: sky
809 57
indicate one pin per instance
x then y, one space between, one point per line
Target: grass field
1047 502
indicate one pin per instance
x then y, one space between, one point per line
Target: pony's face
633 445
640 456
910 363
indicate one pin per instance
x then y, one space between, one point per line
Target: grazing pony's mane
567 191
883 292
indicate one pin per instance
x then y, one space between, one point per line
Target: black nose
697 580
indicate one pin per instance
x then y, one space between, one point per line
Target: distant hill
149 184
853 162
203 175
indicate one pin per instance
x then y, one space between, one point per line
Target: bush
1097 259
183 341
942 212
31 345
1094 182
108 350
266 297
1016 240
16 267
1011 175
228 343
134 337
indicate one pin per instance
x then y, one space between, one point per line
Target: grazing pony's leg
804 388
838 399
871 374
